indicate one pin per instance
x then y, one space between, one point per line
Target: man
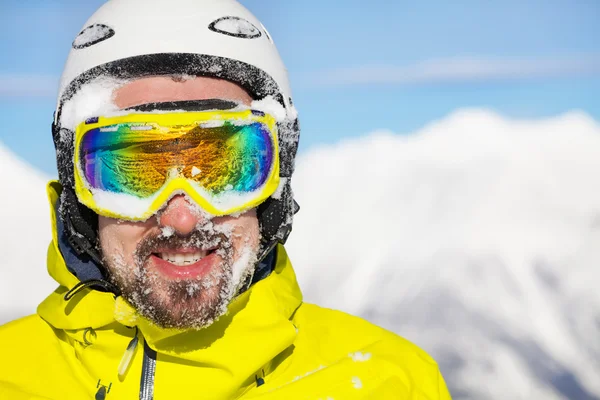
175 134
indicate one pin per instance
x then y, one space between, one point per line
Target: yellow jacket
269 346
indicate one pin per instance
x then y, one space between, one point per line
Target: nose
180 216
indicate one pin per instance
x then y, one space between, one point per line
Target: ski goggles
129 166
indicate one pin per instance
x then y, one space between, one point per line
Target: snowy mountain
477 238
24 237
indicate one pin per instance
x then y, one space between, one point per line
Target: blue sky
355 66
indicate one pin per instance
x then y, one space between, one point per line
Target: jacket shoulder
30 331
335 336
25 342
33 362
347 330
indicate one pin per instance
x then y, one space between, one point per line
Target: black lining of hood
80 265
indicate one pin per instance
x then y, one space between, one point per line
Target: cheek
248 233
245 229
118 238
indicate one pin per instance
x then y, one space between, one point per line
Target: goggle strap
186 105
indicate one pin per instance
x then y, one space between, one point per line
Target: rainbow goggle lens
129 166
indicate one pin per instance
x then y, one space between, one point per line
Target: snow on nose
180 216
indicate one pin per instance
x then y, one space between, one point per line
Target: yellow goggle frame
174 126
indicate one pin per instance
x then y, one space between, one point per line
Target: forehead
156 89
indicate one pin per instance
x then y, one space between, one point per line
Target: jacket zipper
148 373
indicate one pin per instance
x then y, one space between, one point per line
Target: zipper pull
102 391
128 356
101 394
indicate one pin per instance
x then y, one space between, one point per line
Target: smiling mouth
182 259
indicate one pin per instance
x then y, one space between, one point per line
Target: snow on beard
192 303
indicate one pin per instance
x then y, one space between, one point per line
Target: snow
277 194
167 231
125 205
133 207
475 237
269 105
24 237
360 357
212 124
92 100
241 269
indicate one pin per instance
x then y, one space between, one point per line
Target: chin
185 284
178 301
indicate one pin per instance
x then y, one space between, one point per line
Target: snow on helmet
127 39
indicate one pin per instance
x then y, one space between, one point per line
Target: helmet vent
91 35
236 27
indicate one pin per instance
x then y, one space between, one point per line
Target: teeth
182 259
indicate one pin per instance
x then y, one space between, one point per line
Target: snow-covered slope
478 238
24 237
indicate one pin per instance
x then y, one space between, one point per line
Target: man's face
182 267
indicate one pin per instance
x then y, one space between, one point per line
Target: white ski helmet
128 39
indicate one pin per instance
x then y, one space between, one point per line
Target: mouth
183 259
184 263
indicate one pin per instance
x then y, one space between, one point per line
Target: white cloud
462 70
476 237
458 70
22 85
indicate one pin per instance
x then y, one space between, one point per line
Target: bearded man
175 135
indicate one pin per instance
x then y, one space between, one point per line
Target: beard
185 303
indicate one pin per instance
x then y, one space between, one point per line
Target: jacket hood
256 328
